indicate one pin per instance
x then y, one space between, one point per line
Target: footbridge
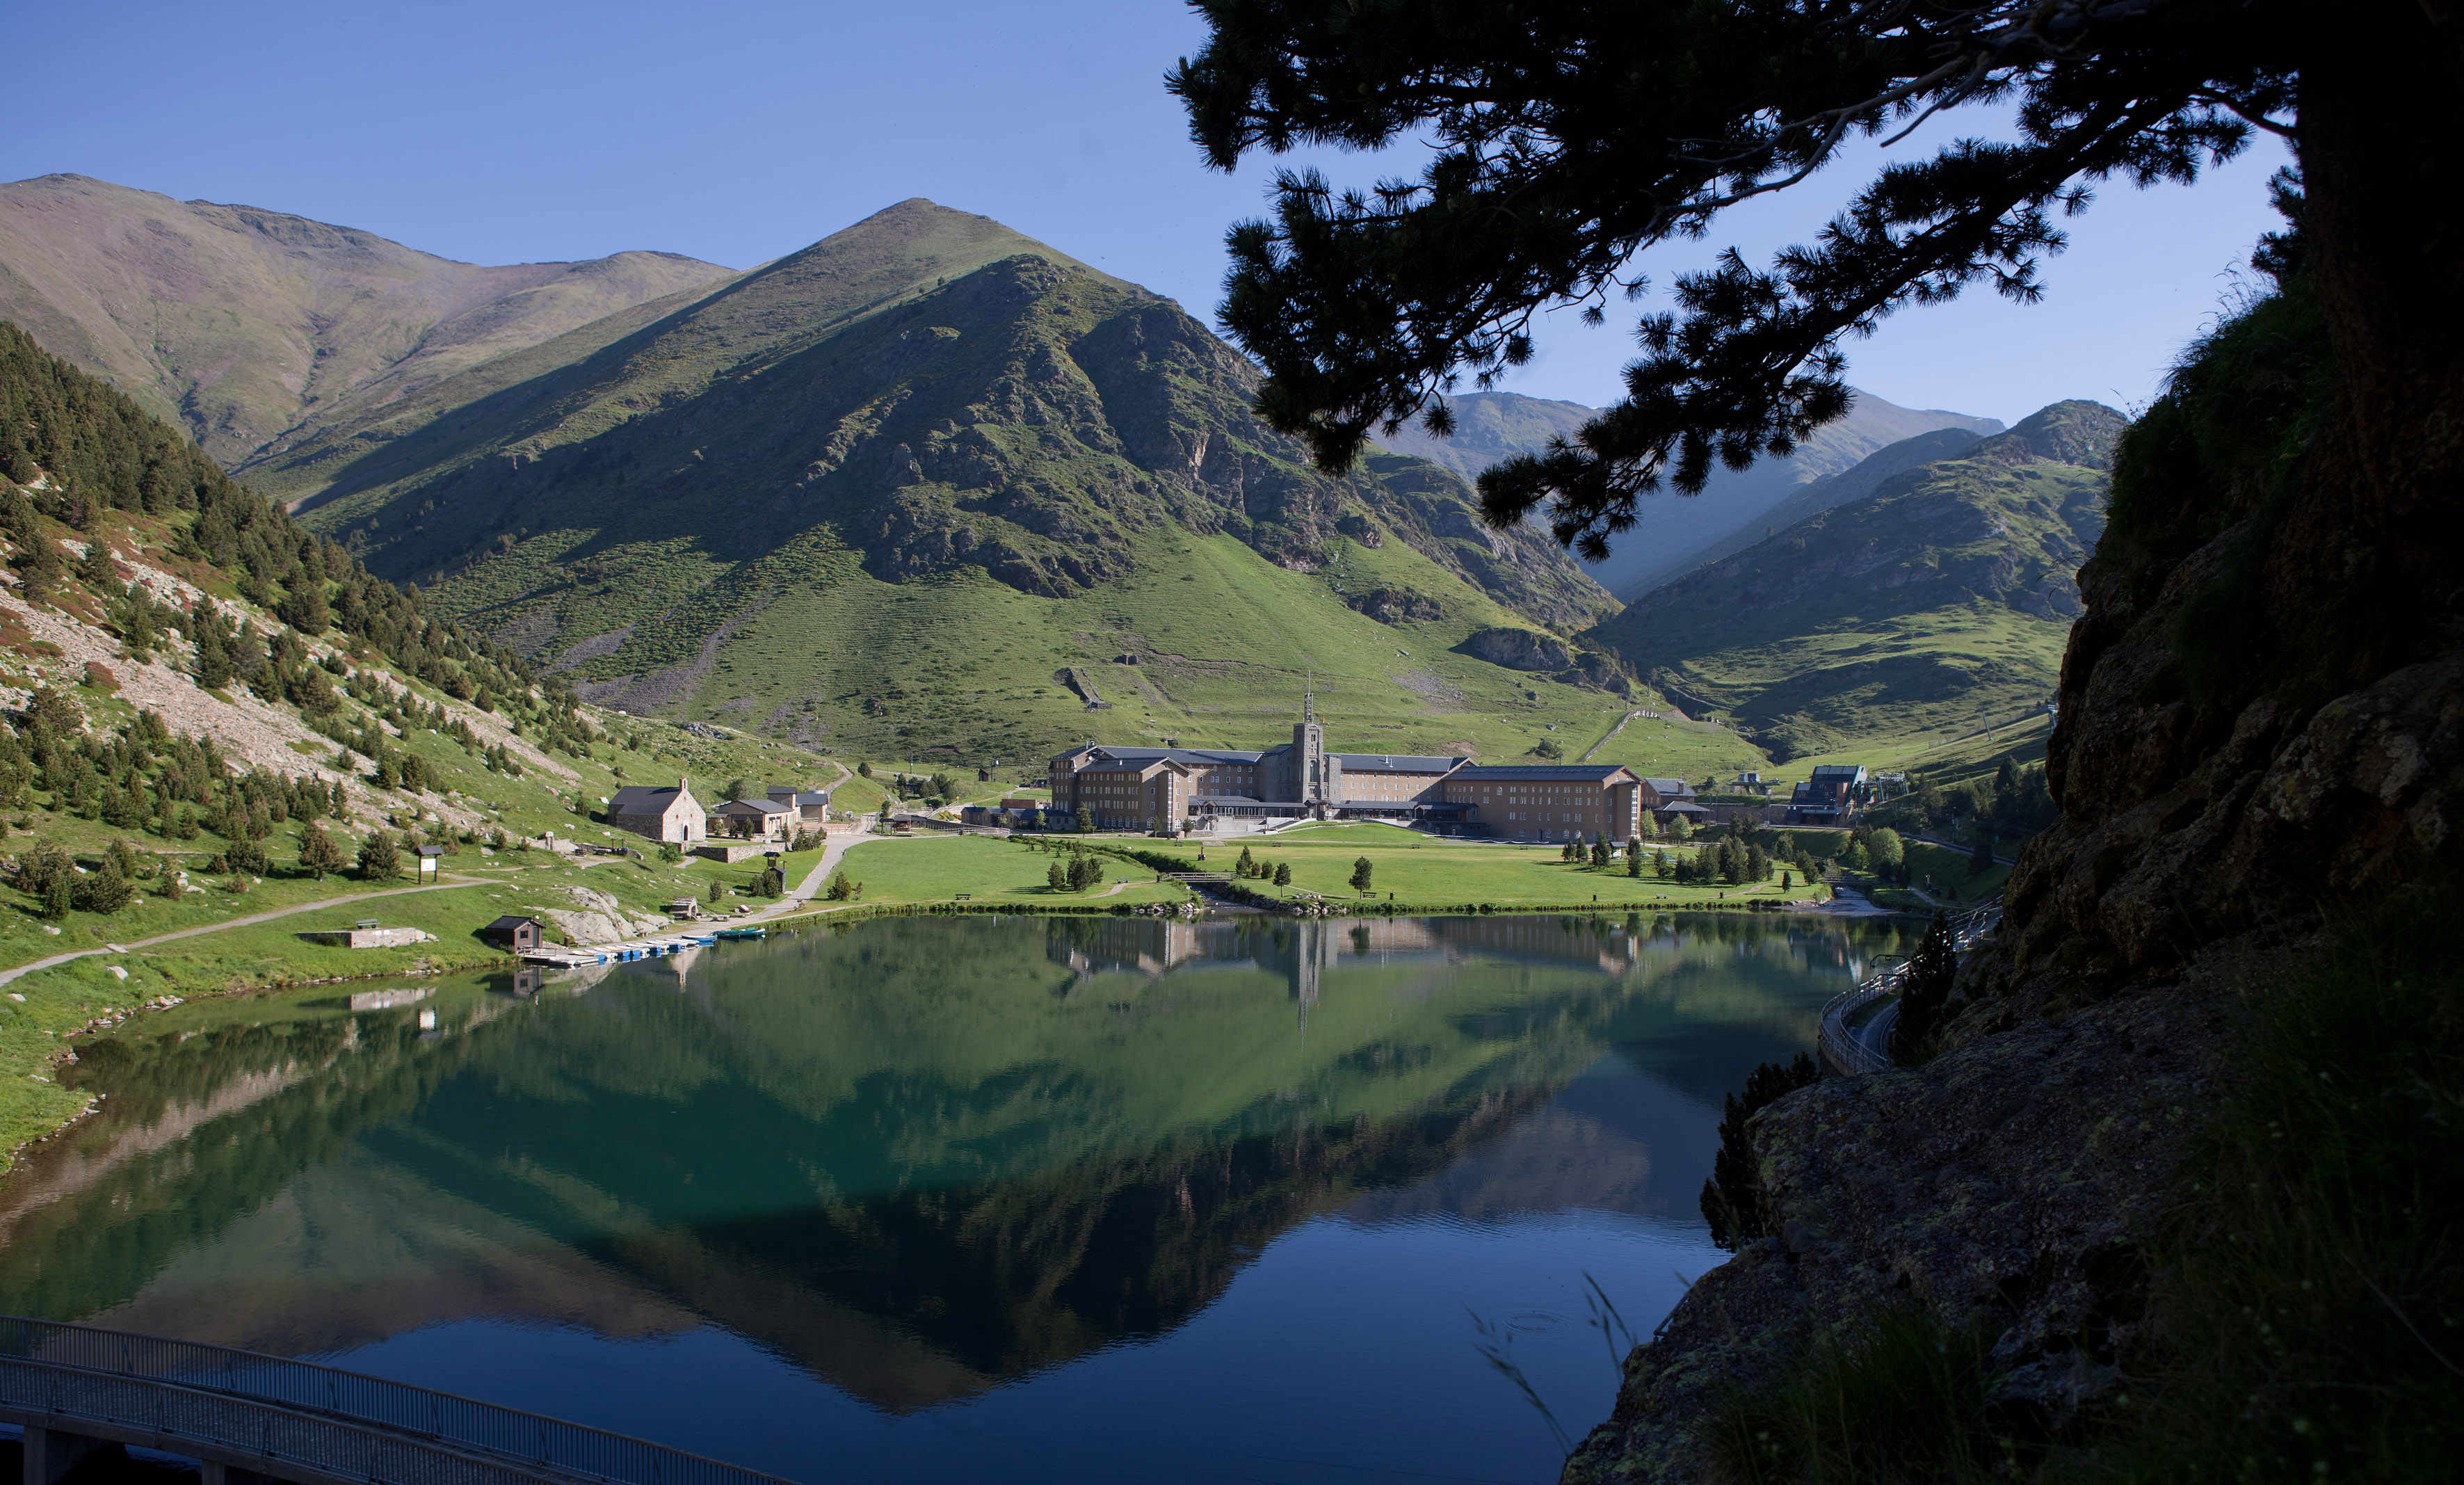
248 1417
1857 1023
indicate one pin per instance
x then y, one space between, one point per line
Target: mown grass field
1423 871
989 869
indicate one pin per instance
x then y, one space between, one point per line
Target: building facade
1149 789
659 814
1550 801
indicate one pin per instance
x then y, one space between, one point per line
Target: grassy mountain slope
249 327
1943 598
190 672
1677 532
928 449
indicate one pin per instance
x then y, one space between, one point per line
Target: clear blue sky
510 131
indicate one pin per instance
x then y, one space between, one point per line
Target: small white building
752 819
812 806
660 813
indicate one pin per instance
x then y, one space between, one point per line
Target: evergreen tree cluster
1738 856
142 776
1732 1198
73 448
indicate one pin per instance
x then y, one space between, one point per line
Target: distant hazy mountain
250 328
1677 532
899 485
1943 595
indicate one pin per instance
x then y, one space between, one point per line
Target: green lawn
988 868
1421 872
1952 883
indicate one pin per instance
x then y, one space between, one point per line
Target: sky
514 131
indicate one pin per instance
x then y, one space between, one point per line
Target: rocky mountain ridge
1945 593
251 328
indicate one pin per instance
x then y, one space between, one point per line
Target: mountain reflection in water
914 1158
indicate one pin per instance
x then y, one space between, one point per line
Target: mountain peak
2071 431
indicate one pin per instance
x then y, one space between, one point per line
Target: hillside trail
134 947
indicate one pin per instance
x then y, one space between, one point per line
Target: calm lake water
960 1198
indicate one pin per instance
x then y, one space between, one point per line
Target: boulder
1520 649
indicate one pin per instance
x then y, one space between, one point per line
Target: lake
944 1198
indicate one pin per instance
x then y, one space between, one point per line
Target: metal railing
1841 1050
327 1420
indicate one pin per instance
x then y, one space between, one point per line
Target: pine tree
1361 872
1634 857
41 570
380 858
318 852
1924 989
96 571
1599 851
1056 879
1732 1198
106 891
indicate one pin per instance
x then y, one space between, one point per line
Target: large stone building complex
1180 788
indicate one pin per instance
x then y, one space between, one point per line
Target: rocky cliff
2258 735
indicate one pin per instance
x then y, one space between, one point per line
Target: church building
1147 788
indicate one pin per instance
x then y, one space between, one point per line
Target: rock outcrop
598 918
2255 719
1520 648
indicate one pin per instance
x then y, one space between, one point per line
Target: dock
558 956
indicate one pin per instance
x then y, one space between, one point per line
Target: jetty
560 956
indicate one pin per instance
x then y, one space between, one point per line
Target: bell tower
1309 751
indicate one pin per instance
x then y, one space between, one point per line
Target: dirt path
8 975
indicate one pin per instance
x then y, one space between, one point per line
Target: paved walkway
6 975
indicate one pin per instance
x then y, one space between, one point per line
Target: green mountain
1943 598
931 483
248 328
1681 532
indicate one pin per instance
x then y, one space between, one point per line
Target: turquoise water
928 1198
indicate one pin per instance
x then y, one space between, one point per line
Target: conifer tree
1361 873
318 852
1283 873
106 890
96 571
380 858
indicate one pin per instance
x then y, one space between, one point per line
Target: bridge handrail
1840 1047
355 1397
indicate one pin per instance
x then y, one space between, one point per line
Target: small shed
432 859
519 934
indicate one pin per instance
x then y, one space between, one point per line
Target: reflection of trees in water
917 1134
1013 1276
199 1128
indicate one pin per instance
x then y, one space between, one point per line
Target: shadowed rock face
1521 649
2261 712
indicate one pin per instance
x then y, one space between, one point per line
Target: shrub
1901 1400
671 853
